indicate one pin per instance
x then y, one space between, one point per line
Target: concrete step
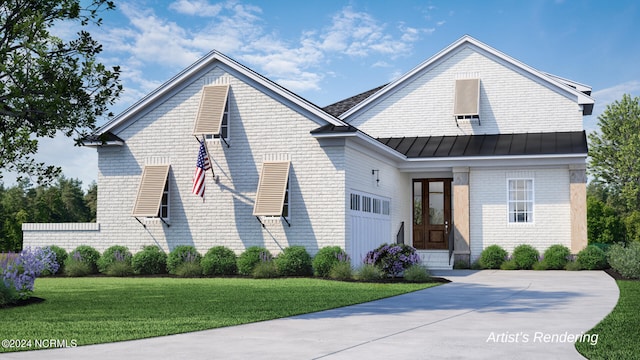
435 259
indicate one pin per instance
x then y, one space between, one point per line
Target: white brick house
494 149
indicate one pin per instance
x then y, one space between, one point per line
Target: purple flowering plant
392 259
21 271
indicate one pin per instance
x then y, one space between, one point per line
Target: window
153 191
355 202
386 208
212 119
467 99
376 206
520 200
273 189
164 204
366 204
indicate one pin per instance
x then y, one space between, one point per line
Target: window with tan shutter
212 119
272 189
467 99
151 191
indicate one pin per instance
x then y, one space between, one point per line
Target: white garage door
370 224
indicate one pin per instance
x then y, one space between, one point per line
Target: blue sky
329 50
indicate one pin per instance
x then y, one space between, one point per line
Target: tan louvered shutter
271 188
150 190
467 97
211 110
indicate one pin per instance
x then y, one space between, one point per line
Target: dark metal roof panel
490 145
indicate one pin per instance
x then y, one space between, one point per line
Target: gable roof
181 80
340 107
578 92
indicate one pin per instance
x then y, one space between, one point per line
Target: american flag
201 168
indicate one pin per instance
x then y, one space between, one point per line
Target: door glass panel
436 203
417 203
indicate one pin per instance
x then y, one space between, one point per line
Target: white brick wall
509 103
488 210
259 125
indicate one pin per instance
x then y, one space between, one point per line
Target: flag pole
206 149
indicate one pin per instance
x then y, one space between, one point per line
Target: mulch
24 302
616 275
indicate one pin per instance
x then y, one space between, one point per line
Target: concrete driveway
479 315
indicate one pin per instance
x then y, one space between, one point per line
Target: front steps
436 259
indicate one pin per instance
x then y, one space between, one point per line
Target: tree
48 84
615 152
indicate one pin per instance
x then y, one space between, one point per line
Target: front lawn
619 332
102 309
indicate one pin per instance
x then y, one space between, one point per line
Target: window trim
530 218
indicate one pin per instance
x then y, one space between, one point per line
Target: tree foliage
615 152
614 195
49 84
64 201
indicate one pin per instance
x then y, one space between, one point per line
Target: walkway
479 315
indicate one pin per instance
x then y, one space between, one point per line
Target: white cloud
196 7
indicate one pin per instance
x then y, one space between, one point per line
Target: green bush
369 272
417 274
61 257
248 260
555 257
219 260
525 256
189 269
150 260
265 268
572 266
119 268
85 254
603 223
626 260
592 258
509 265
182 254
341 270
541 265
114 254
294 261
325 258
77 268
492 257
8 294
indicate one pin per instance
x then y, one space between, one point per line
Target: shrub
393 259
509 264
626 260
324 260
20 271
461 264
8 295
151 260
74 266
265 268
541 265
219 260
294 261
248 260
85 254
492 257
342 269
61 257
592 258
189 268
114 254
417 274
555 257
368 272
180 255
525 256
572 266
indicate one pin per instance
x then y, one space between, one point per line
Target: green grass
102 309
619 332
